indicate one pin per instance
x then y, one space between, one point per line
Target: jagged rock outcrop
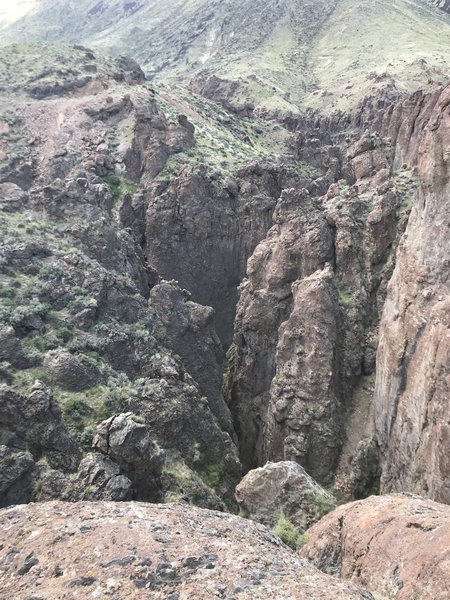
34 422
109 195
411 390
97 478
305 331
141 550
32 430
397 546
201 230
75 308
129 444
73 373
188 330
283 489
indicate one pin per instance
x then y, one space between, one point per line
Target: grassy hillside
284 53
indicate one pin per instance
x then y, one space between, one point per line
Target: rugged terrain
125 219
238 256
275 54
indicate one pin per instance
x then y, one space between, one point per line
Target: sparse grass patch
344 295
213 475
288 533
119 185
323 506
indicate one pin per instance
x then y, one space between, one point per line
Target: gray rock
129 444
283 488
12 197
16 476
33 429
73 373
11 349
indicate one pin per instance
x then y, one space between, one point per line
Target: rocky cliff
238 268
133 257
81 311
411 387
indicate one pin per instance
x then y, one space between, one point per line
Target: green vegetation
30 67
279 57
185 483
119 185
323 505
213 475
344 295
288 533
405 185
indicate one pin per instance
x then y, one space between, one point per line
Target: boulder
283 488
35 422
128 442
12 197
11 349
34 437
73 373
16 475
98 478
397 546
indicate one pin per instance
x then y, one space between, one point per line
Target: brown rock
133 550
412 412
397 546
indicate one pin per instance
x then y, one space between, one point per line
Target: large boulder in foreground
283 488
132 550
397 546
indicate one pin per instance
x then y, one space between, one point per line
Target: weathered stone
16 476
283 488
12 197
412 387
74 373
129 444
36 424
158 551
11 350
394 545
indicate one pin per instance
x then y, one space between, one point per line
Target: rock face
188 329
32 430
396 546
69 372
133 550
411 405
201 231
283 488
83 310
128 219
129 444
305 329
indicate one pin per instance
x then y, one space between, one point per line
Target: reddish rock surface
411 407
133 550
397 546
